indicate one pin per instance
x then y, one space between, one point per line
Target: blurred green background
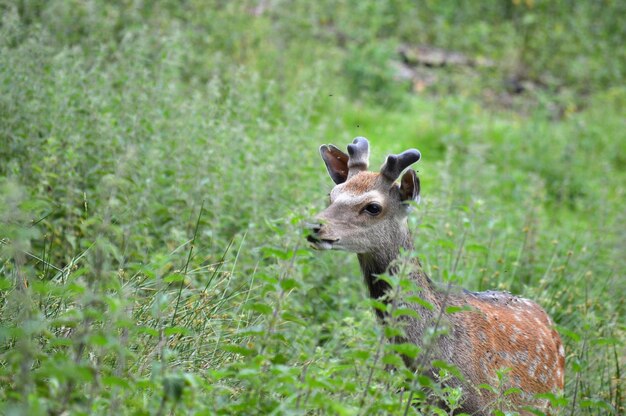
157 160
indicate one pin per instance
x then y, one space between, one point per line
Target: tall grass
156 164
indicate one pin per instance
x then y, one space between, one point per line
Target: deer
367 214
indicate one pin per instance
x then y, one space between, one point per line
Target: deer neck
378 262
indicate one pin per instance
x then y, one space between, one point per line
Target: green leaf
238 349
391 332
61 342
555 400
569 333
174 277
113 381
512 390
176 330
148 331
378 305
393 359
407 349
277 253
98 339
405 312
420 301
261 308
451 368
477 248
456 309
288 284
290 317
5 284
359 354
487 387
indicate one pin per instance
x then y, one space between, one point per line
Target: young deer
367 215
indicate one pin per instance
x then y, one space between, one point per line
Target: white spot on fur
561 350
533 367
522 356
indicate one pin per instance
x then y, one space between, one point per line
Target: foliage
157 160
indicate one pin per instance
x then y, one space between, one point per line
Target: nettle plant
492 338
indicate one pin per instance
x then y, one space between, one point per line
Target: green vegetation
157 160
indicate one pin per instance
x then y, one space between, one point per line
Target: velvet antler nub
395 164
359 152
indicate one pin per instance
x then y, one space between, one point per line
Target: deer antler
359 152
395 164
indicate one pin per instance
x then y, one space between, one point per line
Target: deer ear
336 163
410 186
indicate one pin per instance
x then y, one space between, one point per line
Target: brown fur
362 182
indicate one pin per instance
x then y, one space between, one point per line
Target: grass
156 167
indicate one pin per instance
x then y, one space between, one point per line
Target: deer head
367 210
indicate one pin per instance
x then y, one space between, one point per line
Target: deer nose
314 227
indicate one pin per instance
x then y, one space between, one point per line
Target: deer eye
373 209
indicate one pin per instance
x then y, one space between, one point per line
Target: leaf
512 390
318 383
261 308
407 349
487 387
290 317
456 309
393 359
98 339
176 330
5 284
424 381
378 305
288 284
277 253
476 247
147 330
405 312
359 354
420 301
238 349
445 244
113 381
555 400
61 342
568 333
174 277
391 332
448 367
